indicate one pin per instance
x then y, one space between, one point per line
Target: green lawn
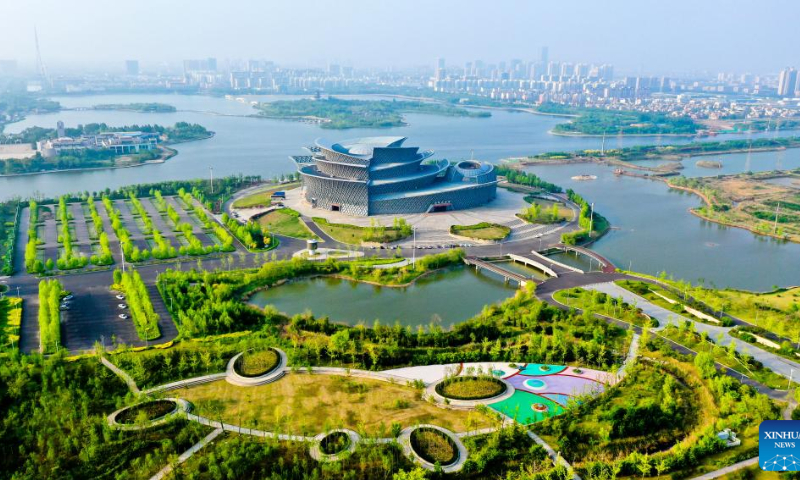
481 231
262 198
354 234
285 222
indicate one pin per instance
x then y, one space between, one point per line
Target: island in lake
150 107
96 145
337 113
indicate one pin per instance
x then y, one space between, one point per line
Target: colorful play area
542 391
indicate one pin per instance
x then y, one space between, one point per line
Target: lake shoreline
169 153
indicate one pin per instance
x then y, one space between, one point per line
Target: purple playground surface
549 385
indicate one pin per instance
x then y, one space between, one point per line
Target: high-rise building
132 67
787 82
553 68
544 56
440 66
567 69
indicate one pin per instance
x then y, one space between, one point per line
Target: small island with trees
150 107
336 113
96 145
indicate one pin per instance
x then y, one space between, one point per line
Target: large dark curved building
378 175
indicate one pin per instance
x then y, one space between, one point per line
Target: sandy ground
21 150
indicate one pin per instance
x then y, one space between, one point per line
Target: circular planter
496 387
232 376
255 371
413 441
540 407
162 411
321 452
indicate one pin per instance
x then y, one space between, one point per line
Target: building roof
362 146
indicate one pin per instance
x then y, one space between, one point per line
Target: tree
416 474
704 361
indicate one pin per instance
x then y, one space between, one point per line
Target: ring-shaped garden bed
434 446
149 411
471 387
335 442
255 363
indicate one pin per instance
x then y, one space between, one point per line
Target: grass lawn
285 222
354 234
262 197
545 211
481 231
310 404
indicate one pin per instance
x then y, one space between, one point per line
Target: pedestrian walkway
719 335
185 455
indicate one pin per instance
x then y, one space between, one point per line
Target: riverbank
166 154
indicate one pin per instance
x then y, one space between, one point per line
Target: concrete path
557 459
719 335
185 455
121 374
728 469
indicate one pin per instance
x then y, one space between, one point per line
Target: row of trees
50 293
9 215
32 262
145 319
526 178
68 260
105 257
589 221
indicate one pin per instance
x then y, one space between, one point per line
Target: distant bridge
507 275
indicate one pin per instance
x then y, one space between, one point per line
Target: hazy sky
635 35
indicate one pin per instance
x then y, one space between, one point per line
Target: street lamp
414 247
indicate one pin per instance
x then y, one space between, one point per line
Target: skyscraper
544 56
132 67
440 65
787 82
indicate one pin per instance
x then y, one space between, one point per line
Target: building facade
380 176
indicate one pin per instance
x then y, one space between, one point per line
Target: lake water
655 231
446 297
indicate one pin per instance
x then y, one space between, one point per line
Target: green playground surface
520 407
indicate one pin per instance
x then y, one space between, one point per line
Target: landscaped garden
308 404
470 387
433 446
481 231
256 363
592 301
146 412
356 235
285 221
334 442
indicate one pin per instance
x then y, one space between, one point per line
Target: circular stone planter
458 446
540 407
434 391
235 378
180 407
535 384
316 448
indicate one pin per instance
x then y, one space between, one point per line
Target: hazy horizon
637 37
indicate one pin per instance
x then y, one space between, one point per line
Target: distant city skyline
680 37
